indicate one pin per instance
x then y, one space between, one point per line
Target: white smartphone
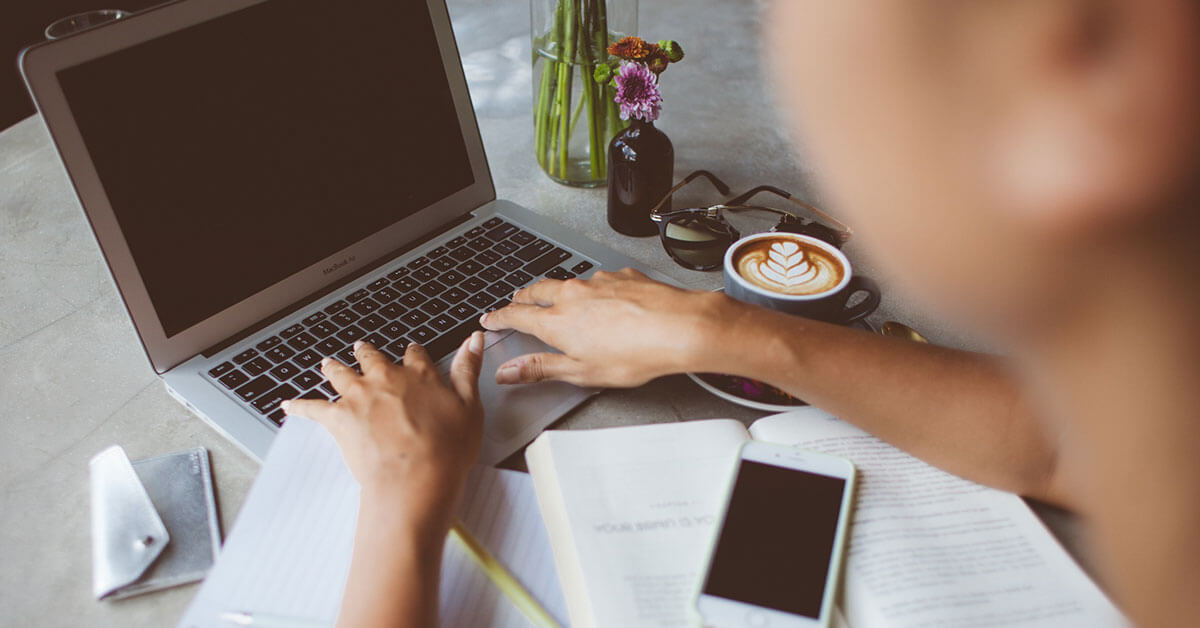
777 556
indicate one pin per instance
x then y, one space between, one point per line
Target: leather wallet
154 521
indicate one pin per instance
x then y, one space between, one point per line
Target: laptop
271 180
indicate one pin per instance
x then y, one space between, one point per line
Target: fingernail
483 319
508 374
514 295
475 344
285 405
358 344
325 361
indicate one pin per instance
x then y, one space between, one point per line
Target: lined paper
289 551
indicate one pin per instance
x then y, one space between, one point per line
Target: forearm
958 410
396 567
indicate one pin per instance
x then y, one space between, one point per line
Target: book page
631 513
289 551
928 548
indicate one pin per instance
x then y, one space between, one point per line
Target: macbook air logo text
338 265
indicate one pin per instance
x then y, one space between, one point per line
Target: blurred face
894 105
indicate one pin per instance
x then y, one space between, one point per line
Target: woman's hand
615 330
403 431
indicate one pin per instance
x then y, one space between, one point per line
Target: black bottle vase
641 167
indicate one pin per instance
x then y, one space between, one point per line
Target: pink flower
637 92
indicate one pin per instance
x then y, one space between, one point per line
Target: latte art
788 266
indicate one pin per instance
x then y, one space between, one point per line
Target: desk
75 379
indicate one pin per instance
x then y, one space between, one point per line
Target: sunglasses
697 238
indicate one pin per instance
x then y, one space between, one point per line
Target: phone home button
756 619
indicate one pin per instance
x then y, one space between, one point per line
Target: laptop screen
244 149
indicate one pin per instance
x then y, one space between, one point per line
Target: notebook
289 551
632 512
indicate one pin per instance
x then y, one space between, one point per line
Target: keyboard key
372 322
415 317
475 233
346 356
328 347
442 322
376 340
491 274
315 393
581 267
519 278
366 306
559 273
307 379
444 263
502 303
345 317
302 341
245 356
462 254
233 379
463 312
391 311
220 369
449 341
357 295
406 284
378 283
413 299
456 242
417 263
487 257
292 331
480 244
509 264
435 306
278 417
470 267
285 371
438 252
269 402
307 358
257 366
395 351
432 289
454 295
500 232
492 222
500 289
386 295
268 343
398 273
328 387
505 247
335 307
394 330
323 329
255 387
280 353
350 334
481 300
424 274
421 335
451 277
547 261
523 237
473 285
313 319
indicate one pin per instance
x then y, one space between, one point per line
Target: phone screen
777 542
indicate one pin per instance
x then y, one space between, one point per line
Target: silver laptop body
270 180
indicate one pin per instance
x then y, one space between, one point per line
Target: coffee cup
797 274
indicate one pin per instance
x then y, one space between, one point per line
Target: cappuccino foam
788 266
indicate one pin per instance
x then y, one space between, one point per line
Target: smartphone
777 555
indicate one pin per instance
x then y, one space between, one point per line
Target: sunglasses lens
697 240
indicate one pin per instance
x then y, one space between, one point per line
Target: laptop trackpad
510 411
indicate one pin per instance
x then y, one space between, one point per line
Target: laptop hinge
373 266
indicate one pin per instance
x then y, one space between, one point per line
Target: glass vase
574 117
641 162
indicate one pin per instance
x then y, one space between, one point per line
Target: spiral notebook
289 551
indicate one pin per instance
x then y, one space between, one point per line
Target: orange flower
632 48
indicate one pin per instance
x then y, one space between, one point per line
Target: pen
503 579
265 620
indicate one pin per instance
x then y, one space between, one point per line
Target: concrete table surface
73 378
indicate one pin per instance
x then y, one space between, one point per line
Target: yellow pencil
503 579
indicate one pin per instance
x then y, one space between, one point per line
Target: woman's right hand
614 330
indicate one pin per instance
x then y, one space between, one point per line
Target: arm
409 439
958 410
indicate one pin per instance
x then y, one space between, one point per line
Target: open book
631 514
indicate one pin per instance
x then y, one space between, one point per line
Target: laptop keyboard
435 300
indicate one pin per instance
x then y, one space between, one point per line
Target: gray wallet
154 521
